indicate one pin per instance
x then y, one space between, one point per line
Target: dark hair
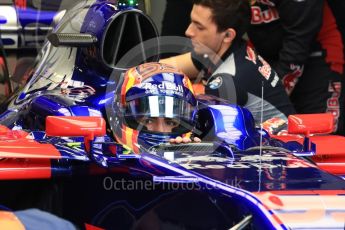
234 14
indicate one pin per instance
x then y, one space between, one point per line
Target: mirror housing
306 124
76 126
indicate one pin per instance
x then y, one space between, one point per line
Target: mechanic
154 104
165 125
304 42
228 67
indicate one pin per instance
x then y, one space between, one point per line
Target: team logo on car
216 82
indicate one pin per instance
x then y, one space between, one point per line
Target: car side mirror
307 124
76 126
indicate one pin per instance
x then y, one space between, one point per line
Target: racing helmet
154 103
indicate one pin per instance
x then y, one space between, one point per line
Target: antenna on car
261 130
261 116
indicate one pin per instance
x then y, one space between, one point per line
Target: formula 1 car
58 154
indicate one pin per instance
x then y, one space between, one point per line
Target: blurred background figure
226 66
304 42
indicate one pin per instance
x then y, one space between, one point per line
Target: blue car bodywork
25 24
238 178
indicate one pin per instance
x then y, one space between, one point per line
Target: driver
159 124
154 104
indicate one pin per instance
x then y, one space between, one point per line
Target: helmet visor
160 106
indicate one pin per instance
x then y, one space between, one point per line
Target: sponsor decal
290 80
265 69
260 16
251 55
275 80
163 85
167 87
216 82
265 161
333 102
273 124
245 165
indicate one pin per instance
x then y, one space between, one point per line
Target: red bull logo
162 86
333 105
260 16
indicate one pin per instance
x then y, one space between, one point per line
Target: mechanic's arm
184 63
301 22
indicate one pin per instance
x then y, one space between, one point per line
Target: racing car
58 152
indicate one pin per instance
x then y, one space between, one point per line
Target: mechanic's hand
179 140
